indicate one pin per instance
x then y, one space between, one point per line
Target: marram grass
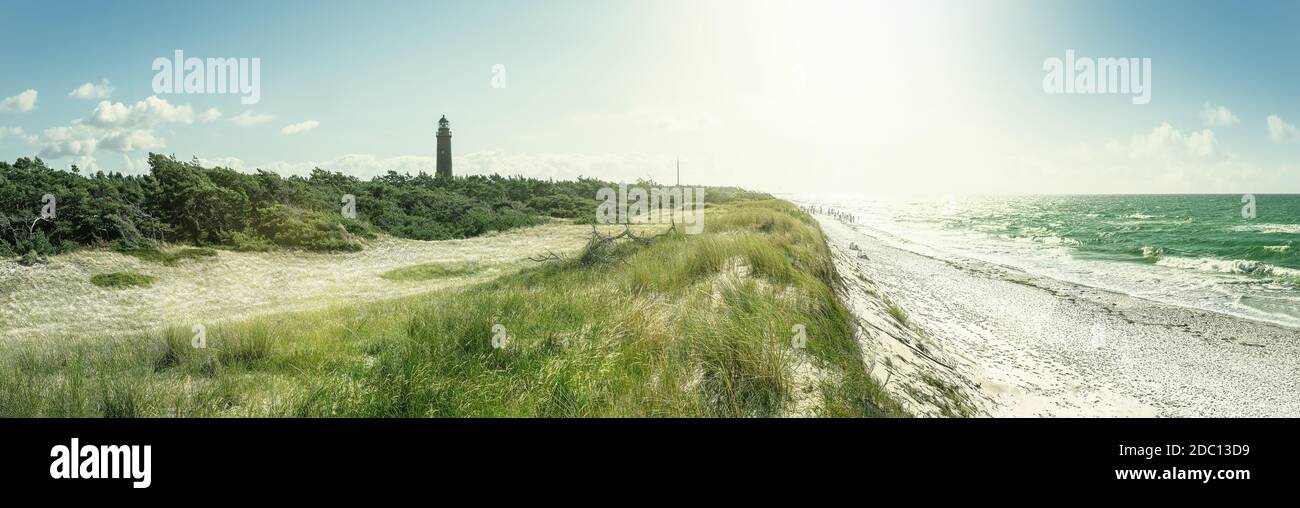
171 257
430 271
688 326
122 280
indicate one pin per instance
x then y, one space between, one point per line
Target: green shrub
429 271
247 242
31 258
170 258
302 229
121 280
563 206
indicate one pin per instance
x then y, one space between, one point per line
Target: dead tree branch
600 247
549 256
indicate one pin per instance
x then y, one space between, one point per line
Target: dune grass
122 280
688 326
170 257
430 271
897 312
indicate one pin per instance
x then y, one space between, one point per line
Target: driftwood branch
599 247
549 256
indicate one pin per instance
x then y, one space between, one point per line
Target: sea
1232 254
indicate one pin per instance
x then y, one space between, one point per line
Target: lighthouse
444 149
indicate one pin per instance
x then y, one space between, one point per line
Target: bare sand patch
57 299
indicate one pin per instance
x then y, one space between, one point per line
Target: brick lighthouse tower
444 149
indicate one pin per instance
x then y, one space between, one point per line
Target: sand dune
57 299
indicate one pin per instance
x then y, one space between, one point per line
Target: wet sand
1017 344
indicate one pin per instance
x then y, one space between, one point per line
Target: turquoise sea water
1194 250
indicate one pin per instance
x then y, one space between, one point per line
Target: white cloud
16 132
72 141
131 140
1202 144
1163 160
1218 117
211 115
92 91
1226 174
114 126
146 113
248 118
234 163
1281 132
132 165
86 163
20 103
300 127
1166 141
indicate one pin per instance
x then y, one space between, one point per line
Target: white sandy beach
1024 345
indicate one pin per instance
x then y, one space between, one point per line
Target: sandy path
58 300
1035 346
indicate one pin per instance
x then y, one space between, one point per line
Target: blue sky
863 97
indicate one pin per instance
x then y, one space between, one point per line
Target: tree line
184 202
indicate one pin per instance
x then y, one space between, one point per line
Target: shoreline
1019 344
